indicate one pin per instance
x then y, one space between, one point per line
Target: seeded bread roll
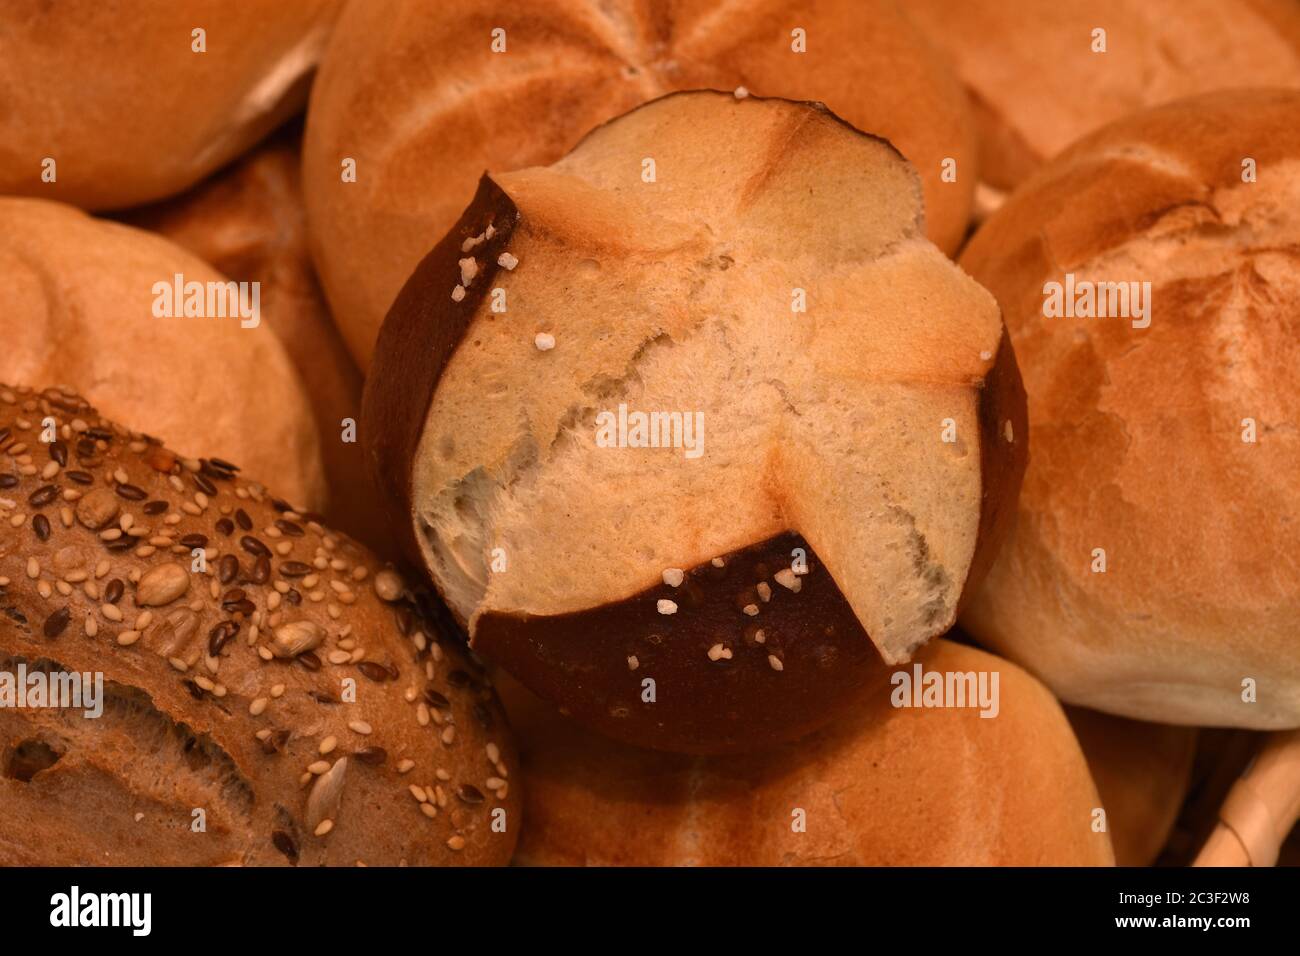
249 223
77 305
881 787
1142 772
1154 569
858 455
314 708
118 98
1036 84
414 94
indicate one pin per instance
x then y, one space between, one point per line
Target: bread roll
288 687
1142 772
876 443
413 93
249 223
119 99
1037 83
77 300
881 787
1165 450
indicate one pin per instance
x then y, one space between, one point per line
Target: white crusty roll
838 425
78 298
107 105
415 100
249 223
1041 75
1154 567
880 787
253 665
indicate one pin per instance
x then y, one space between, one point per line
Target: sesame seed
544 341
786 578
405 765
633 663
418 792
718 562
328 744
1006 430
456 843
127 638
673 577
740 93
719 653
324 827
775 662
493 753
429 810
751 609
507 261
319 767
665 606
764 591
258 706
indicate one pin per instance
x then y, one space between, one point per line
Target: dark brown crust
1002 462
419 336
579 661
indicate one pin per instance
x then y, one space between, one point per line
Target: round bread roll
882 787
1142 772
1154 568
255 666
415 97
1038 78
840 462
249 223
108 105
77 303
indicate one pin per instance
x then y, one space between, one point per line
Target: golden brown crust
414 94
1025 64
79 298
1142 771
1140 435
116 95
238 687
881 787
249 223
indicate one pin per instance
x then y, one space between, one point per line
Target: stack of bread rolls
839 439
